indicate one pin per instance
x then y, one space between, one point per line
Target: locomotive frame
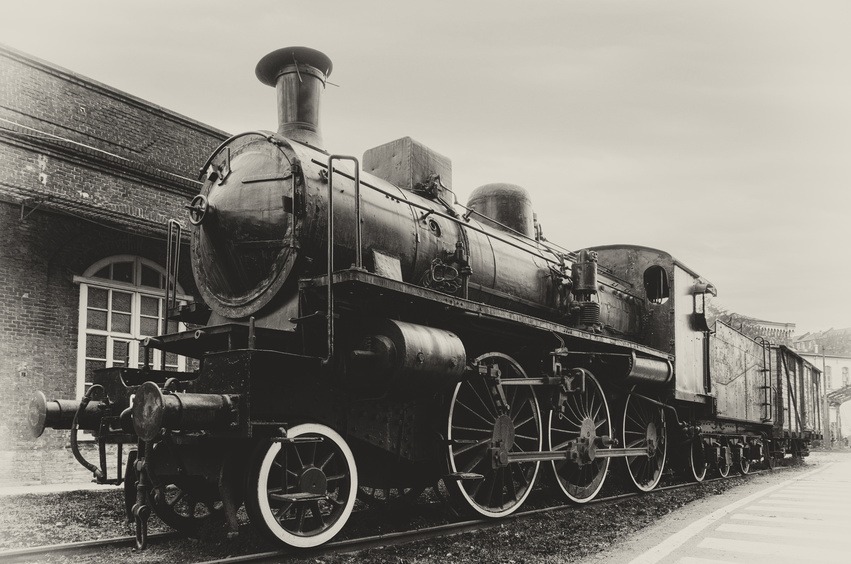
455 349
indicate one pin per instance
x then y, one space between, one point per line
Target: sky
717 131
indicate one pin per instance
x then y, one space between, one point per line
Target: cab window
656 285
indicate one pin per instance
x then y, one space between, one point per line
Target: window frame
137 291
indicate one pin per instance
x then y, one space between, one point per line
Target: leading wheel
186 503
697 460
301 489
644 427
477 429
584 416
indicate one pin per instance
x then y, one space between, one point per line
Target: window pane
172 327
96 320
91 366
121 301
148 327
170 359
97 297
122 272
141 354
150 306
103 272
151 277
120 351
120 323
96 346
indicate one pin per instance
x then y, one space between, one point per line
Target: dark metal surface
298 75
367 282
154 411
399 356
503 206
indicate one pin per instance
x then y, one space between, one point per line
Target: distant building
831 350
837 375
833 341
774 331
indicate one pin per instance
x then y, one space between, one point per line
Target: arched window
121 303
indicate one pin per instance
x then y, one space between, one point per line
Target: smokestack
298 74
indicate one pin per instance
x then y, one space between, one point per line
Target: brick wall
57 101
39 324
97 173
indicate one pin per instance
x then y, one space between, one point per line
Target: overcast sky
718 131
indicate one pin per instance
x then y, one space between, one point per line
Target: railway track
342 546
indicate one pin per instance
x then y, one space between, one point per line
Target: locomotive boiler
370 334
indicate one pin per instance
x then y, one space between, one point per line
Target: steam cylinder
405 356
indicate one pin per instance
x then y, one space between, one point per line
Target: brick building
89 177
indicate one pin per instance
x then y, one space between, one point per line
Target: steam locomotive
368 334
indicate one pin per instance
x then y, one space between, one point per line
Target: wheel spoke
327 460
472 423
642 419
298 455
580 483
477 444
307 522
527 420
471 429
470 409
489 406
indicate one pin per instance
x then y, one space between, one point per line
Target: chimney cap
270 66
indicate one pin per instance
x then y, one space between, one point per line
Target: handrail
358 251
538 245
172 264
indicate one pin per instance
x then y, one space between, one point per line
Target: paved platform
803 519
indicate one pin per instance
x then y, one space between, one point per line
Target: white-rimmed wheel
582 418
697 460
644 427
301 490
477 429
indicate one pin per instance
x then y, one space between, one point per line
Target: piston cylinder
154 411
400 356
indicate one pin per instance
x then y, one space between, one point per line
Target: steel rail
425 533
360 543
18 553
